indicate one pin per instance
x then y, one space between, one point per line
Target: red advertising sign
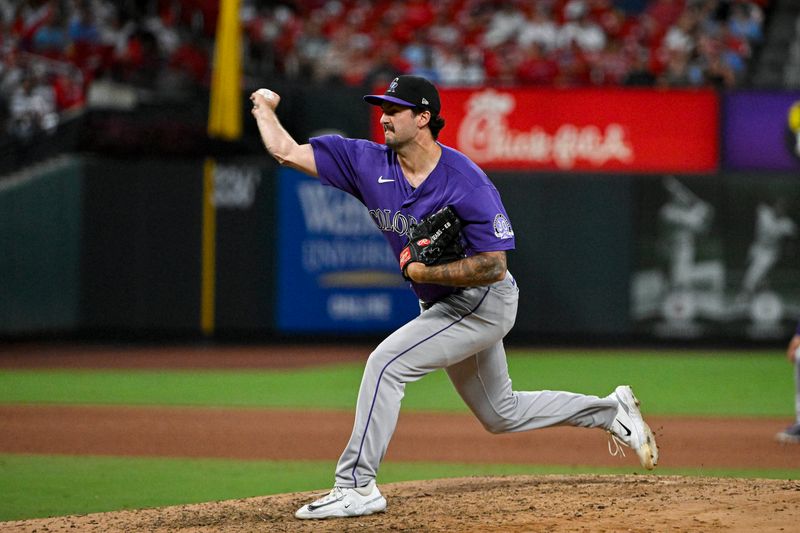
620 129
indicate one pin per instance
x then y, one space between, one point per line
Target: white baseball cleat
343 502
630 429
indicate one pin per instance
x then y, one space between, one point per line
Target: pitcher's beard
394 143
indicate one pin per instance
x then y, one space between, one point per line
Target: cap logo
393 86
425 101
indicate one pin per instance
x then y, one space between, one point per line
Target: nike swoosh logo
382 180
312 507
628 434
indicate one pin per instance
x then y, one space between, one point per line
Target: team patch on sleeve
502 227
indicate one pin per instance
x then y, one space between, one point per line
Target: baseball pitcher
446 223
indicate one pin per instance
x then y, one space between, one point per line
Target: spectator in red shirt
536 67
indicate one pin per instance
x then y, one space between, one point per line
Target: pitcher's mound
481 504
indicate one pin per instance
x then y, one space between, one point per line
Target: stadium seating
58 49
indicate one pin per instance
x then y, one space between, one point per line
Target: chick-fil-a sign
485 135
620 130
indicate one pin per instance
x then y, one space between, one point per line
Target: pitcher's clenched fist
264 99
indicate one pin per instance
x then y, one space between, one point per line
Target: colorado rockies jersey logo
502 227
386 220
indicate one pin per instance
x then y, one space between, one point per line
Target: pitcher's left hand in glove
436 240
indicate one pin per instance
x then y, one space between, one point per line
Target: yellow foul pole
224 122
225 111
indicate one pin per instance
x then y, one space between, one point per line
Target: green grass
681 383
669 382
51 485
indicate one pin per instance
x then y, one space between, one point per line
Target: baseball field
223 438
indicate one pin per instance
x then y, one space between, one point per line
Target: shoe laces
335 494
615 445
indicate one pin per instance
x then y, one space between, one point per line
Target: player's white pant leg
455 328
483 382
797 389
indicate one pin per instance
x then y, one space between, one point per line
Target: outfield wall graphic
336 273
717 257
584 130
758 132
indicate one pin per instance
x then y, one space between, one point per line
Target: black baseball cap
411 91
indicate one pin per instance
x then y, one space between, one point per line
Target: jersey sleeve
336 160
486 226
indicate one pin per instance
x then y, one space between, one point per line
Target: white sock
364 491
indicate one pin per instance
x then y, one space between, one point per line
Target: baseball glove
436 240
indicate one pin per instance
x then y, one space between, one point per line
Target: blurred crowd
53 50
544 42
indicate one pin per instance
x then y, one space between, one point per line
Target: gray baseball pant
463 334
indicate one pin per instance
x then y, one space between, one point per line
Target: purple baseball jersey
371 172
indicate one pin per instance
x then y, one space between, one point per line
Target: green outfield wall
167 233
40 238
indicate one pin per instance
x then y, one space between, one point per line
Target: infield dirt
504 504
